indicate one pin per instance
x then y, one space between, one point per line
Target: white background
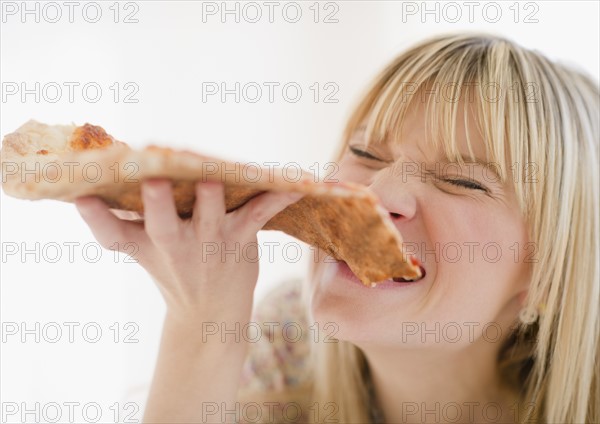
168 54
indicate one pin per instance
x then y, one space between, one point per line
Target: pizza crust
63 162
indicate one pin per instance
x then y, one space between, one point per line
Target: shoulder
277 354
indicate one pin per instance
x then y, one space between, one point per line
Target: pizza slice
63 162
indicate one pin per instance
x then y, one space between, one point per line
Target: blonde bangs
477 75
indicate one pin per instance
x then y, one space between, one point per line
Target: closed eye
466 184
469 184
364 154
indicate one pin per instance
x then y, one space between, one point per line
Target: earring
530 315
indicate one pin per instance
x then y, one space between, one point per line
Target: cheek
498 237
479 252
468 231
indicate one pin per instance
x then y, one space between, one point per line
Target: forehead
450 134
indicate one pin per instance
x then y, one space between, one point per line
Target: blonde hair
544 117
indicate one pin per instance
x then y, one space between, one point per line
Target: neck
433 385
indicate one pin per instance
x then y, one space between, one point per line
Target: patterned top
277 358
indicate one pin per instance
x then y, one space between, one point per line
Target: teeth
402 280
410 280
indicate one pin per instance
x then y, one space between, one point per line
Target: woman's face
464 226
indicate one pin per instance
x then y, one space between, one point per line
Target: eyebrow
467 160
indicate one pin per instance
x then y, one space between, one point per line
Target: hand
207 264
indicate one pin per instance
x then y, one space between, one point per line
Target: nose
396 196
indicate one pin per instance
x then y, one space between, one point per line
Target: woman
486 156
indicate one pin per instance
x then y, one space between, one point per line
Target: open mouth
397 282
413 280
415 262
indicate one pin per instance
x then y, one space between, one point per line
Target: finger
110 231
209 208
251 217
160 215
